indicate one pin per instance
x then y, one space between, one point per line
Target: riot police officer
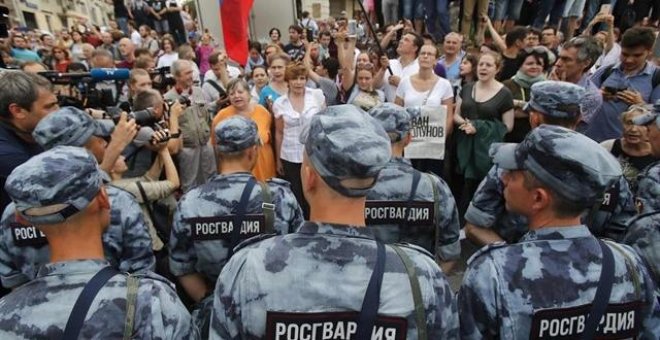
407 205
331 276
211 219
558 280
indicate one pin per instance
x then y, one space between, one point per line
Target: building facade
53 15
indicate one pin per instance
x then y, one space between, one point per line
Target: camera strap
371 301
239 215
417 176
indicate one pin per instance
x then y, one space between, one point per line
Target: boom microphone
101 74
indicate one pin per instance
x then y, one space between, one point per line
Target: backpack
655 79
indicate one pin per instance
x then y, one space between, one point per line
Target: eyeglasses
366 66
536 49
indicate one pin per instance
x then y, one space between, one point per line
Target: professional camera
185 101
144 117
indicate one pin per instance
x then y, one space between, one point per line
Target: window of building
30 19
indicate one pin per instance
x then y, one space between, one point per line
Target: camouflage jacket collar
401 160
556 233
335 229
220 177
72 267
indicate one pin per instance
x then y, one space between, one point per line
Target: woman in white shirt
293 112
425 88
169 54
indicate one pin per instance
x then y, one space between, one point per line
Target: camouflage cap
574 166
236 133
343 142
556 99
649 117
394 119
54 185
70 126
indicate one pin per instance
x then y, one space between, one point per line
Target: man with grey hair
109 45
575 59
196 158
25 98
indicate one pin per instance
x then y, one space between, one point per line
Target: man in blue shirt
626 83
20 51
25 98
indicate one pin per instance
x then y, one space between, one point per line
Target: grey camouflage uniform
69 177
648 180
321 271
126 242
508 288
644 236
553 99
195 246
438 231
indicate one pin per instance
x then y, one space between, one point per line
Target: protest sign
428 134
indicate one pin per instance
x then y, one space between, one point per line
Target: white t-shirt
136 38
610 58
232 71
402 72
296 122
441 90
167 59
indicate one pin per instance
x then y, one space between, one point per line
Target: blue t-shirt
267 92
25 55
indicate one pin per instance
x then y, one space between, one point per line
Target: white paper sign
428 134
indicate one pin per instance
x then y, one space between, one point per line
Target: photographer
141 153
153 188
196 159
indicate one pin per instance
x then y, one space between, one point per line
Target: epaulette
147 274
638 217
114 187
279 181
486 249
252 240
416 248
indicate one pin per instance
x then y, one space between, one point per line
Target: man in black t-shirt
515 41
295 48
121 14
175 22
159 9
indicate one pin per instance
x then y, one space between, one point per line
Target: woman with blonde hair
241 104
632 150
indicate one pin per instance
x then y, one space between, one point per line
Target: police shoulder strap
602 298
413 191
436 208
239 214
267 207
420 313
629 267
131 305
84 301
371 301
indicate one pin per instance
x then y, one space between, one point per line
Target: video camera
162 78
85 84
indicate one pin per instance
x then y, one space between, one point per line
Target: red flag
235 15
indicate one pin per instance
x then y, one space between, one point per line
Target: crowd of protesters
480 70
